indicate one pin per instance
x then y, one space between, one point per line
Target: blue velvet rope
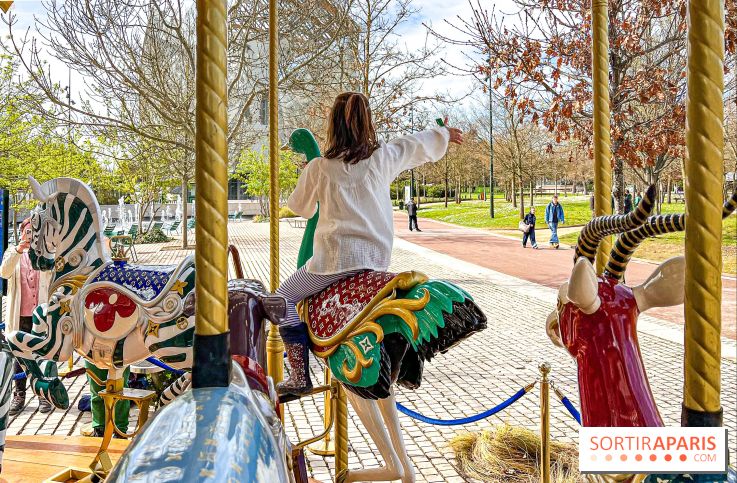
152 360
164 366
571 409
472 419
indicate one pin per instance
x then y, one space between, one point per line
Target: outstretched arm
413 150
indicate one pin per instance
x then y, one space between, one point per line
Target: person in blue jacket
553 216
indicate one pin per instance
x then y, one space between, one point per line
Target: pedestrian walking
638 198
553 216
412 211
530 233
627 201
27 288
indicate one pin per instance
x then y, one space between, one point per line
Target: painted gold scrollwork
168 309
385 303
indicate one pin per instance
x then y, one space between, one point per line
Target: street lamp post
491 147
412 171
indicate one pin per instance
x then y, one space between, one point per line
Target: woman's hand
456 135
23 246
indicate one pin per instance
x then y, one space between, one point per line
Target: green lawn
673 244
475 214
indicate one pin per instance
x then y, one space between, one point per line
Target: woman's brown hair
351 134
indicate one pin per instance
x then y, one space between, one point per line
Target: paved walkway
546 266
480 373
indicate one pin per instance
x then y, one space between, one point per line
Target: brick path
480 373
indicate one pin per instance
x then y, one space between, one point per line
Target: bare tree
137 59
382 67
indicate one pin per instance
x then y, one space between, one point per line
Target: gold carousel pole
274 344
211 366
704 181
602 141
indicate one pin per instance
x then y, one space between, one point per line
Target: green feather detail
430 319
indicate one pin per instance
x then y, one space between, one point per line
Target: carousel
222 420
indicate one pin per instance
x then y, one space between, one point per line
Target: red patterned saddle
329 313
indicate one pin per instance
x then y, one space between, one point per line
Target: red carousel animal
596 317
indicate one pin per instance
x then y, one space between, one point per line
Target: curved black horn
626 244
602 226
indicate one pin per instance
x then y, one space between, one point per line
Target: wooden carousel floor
33 459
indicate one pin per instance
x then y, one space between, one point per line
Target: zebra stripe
175 389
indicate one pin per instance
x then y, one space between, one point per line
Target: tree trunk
514 189
618 182
532 193
670 189
446 182
521 197
183 223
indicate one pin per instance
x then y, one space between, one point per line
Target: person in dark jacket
530 221
627 201
412 211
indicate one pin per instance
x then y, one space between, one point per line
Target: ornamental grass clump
512 454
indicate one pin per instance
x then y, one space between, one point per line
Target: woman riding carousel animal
356 228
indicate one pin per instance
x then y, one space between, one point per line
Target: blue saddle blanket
146 281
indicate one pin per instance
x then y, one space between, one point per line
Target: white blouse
356 227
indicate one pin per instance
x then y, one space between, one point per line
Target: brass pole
325 446
274 344
211 365
544 423
602 141
704 178
341 433
211 170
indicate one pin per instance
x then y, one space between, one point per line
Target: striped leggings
302 284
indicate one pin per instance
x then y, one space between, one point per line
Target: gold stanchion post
544 423
704 181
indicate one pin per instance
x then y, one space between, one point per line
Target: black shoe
19 402
418 229
44 406
99 432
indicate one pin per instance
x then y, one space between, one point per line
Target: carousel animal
596 317
114 314
377 329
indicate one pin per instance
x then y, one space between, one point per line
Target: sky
413 34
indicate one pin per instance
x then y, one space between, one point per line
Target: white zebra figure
110 312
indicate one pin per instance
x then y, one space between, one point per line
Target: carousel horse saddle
348 321
145 281
329 313
121 296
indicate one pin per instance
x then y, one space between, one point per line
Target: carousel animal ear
37 190
583 287
664 287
